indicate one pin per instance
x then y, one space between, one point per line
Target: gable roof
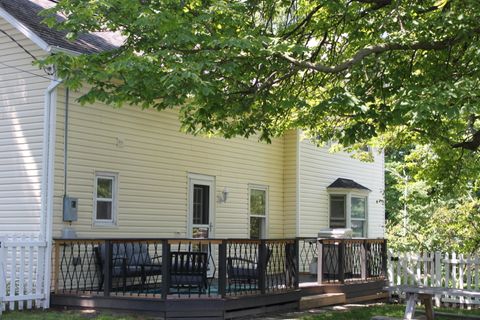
343 183
26 12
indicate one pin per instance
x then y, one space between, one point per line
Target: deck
216 278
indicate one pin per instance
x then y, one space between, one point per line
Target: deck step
321 300
370 297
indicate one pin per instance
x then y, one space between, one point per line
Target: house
98 172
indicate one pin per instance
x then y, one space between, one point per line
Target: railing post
262 257
107 269
56 269
341 261
296 265
319 261
222 268
166 265
384 259
363 259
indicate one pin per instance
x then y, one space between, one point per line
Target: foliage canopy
390 71
420 216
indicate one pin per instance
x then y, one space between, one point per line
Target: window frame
113 176
264 217
349 194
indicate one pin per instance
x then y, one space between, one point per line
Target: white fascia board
25 30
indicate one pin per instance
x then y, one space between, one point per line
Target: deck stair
321 300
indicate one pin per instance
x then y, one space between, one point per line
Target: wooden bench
425 295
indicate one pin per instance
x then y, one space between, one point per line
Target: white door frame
194 178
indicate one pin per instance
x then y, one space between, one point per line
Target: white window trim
103 222
349 193
250 215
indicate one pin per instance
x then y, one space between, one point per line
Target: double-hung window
105 198
258 207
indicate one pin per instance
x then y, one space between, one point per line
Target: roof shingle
343 183
27 12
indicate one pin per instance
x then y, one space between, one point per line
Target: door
201 203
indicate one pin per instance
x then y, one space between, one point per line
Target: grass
389 310
68 315
349 313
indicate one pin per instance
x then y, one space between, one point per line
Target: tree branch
303 22
377 4
471 144
362 53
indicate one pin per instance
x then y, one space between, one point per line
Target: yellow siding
319 168
290 184
153 165
22 88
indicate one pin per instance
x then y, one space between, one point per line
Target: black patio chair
241 270
129 260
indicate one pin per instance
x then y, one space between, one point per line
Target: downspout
65 144
47 188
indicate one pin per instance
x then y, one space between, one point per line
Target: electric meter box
70 209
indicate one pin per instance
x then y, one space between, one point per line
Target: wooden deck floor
215 307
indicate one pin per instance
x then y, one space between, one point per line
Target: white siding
153 165
319 168
22 88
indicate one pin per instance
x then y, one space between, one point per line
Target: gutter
56 49
47 189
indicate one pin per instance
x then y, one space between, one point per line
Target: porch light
224 194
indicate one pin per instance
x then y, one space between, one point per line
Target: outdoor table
425 295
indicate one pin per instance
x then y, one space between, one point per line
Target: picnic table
425 295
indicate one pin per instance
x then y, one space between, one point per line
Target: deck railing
169 268
352 260
308 255
220 268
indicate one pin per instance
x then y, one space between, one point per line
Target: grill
337 233
331 252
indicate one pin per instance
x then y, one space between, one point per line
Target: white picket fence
445 270
22 265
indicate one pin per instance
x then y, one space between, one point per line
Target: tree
435 220
392 72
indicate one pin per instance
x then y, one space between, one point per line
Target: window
349 210
358 216
338 217
258 212
105 198
201 195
